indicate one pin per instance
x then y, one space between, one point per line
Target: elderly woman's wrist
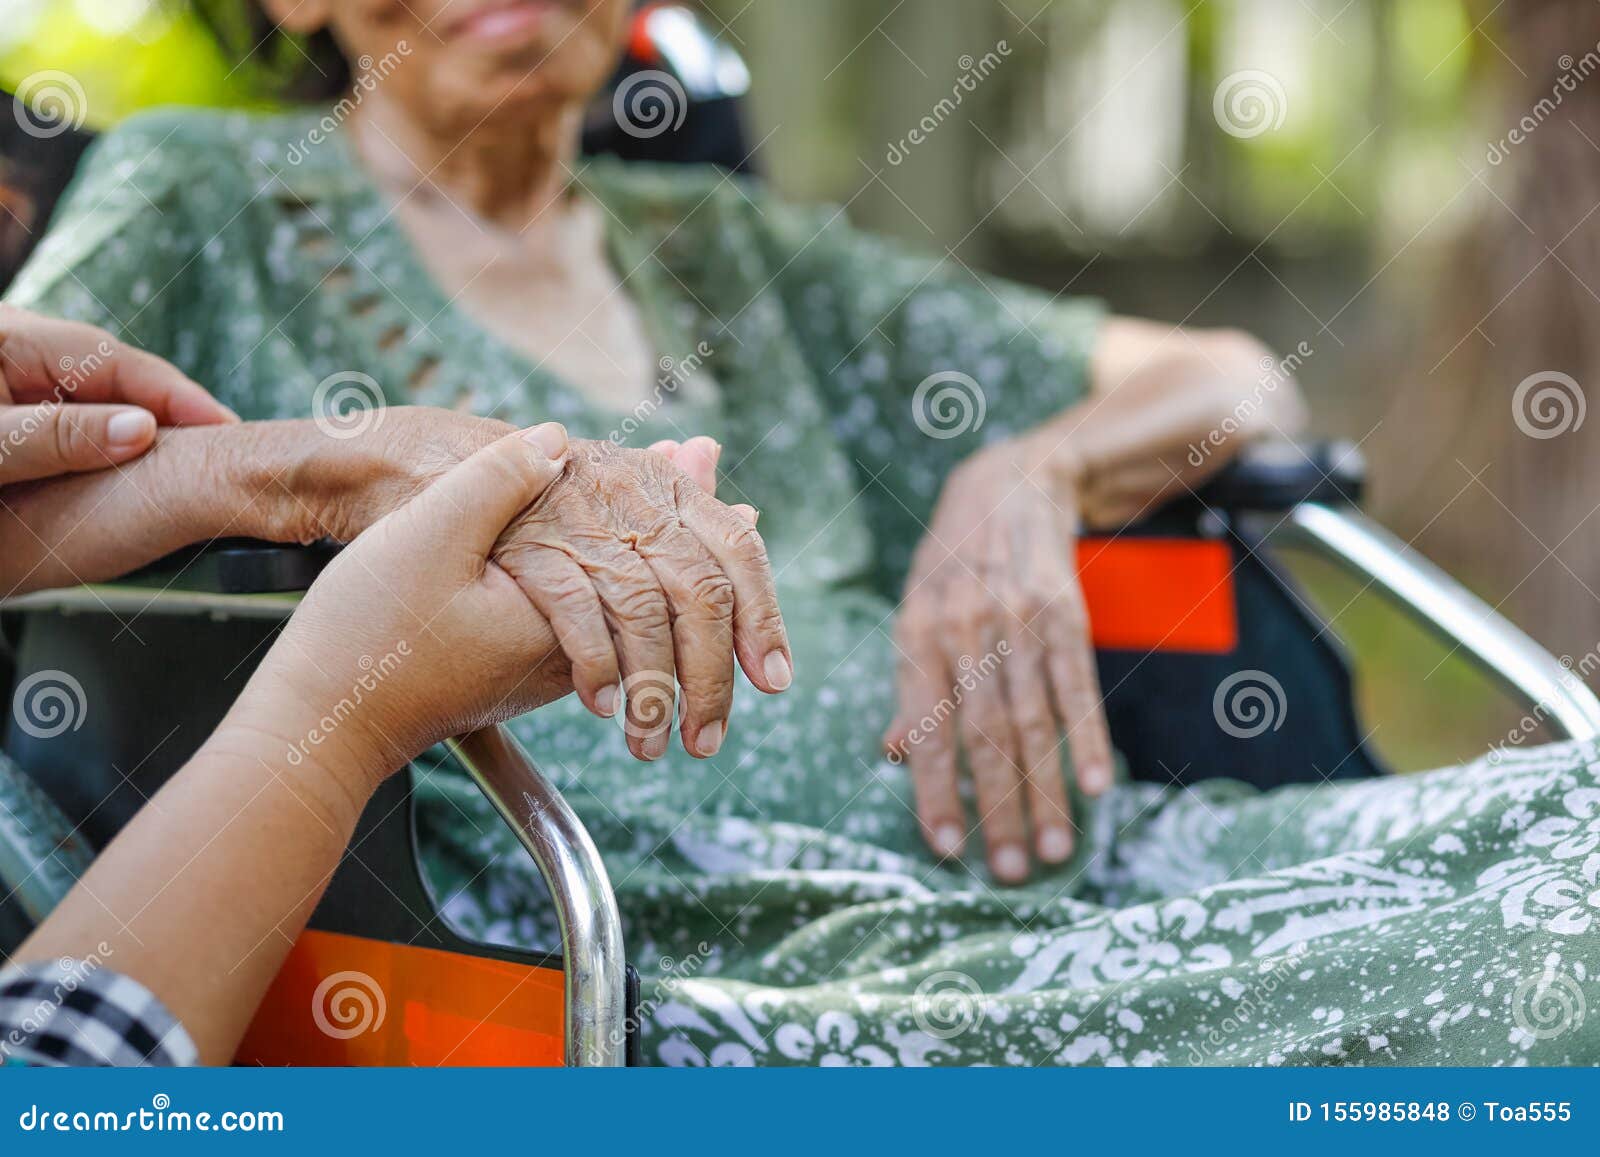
1053 460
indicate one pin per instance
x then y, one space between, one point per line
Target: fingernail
605 700
130 428
947 839
716 453
1055 845
654 746
551 437
710 741
1011 863
777 670
1096 778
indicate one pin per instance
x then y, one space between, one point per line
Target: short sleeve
921 361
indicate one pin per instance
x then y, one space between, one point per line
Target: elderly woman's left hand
993 631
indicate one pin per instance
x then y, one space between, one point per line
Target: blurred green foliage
126 54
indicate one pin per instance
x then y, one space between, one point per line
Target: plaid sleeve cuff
76 1012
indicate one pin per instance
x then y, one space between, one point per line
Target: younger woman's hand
73 398
414 633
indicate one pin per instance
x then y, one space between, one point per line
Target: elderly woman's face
464 60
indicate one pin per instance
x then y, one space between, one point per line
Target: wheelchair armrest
1278 476
1557 696
237 566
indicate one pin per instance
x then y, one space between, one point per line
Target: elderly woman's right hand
646 578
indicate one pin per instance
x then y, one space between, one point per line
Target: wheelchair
1179 606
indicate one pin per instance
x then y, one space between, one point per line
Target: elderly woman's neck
504 173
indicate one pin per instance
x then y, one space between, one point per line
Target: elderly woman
922 447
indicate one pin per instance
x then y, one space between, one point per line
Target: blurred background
1398 191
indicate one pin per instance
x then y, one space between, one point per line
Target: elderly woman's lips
507 21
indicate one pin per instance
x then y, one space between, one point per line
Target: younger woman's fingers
49 359
42 441
472 504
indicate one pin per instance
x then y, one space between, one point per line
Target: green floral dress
778 898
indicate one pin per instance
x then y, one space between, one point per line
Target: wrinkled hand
996 661
646 578
416 623
73 398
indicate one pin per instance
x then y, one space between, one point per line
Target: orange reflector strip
347 1000
1159 594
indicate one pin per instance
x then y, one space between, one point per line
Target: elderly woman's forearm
194 485
1157 393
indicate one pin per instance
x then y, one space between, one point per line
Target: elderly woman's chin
498 54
